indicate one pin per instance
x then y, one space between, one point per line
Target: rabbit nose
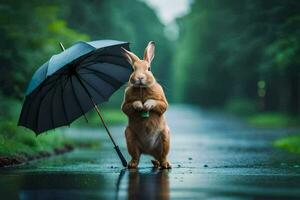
139 79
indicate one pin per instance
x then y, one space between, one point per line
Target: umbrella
73 82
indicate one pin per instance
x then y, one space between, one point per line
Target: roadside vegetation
247 109
22 143
16 140
273 120
111 115
290 143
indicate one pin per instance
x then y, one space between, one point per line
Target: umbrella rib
41 101
30 102
77 100
54 93
106 78
93 87
49 82
62 99
46 81
99 59
39 108
77 62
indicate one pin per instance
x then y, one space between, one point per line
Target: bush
112 116
240 106
9 108
290 143
15 140
273 120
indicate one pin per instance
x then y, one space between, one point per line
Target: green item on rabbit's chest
145 114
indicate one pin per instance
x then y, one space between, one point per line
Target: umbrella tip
61 46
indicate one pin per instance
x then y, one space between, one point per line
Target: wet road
213 157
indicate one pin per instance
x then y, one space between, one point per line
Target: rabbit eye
149 68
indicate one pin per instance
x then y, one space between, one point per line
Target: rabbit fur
145 135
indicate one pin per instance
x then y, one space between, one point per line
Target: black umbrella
73 82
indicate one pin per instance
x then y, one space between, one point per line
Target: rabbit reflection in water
145 135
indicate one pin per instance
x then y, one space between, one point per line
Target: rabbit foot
132 164
165 165
155 163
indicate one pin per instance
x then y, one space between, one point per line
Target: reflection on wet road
213 157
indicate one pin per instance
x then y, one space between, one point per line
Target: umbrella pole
116 147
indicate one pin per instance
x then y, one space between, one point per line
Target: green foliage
290 143
9 108
226 47
16 140
30 35
112 116
273 120
241 106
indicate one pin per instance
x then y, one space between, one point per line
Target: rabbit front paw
137 105
149 104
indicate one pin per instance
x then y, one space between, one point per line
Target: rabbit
145 135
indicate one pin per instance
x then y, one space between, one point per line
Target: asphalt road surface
213 156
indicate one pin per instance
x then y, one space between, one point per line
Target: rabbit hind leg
164 163
133 149
155 163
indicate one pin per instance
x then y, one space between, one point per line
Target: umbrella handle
124 162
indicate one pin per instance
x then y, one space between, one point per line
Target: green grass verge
290 143
112 116
272 120
16 140
240 106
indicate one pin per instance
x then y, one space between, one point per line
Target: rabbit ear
130 57
149 52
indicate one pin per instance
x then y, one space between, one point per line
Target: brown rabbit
147 135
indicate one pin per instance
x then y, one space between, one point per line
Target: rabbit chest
149 141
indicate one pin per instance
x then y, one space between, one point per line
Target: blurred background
235 56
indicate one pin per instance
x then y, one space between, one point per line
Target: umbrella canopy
74 81
61 90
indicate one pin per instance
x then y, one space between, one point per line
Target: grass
290 143
112 116
246 109
16 140
272 120
240 106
